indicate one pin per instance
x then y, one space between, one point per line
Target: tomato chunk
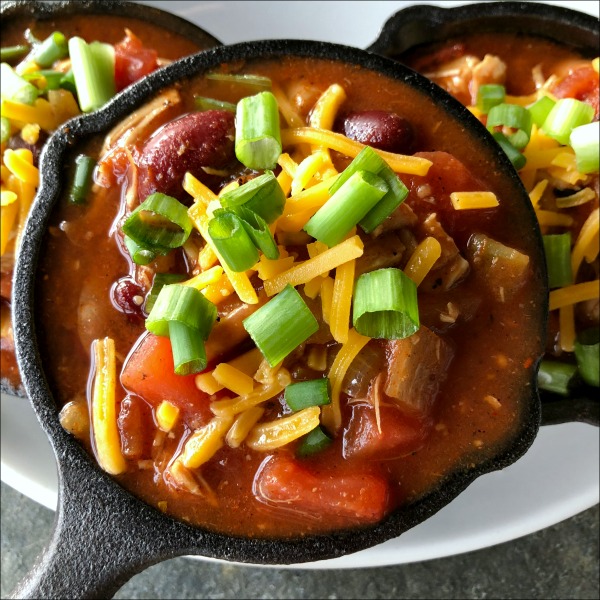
400 433
357 497
149 372
132 60
582 84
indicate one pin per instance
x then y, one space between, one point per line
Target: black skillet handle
102 537
557 409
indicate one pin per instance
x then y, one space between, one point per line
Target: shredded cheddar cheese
473 200
422 259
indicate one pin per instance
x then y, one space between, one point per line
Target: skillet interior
122 535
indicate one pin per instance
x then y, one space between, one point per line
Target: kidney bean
128 297
193 141
380 129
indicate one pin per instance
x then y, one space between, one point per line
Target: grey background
558 562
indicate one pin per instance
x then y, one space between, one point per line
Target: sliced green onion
558 259
139 254
187 345
4 129
540 110
385 305
313 442
53 48
53 78
556 377
257 132
517 159
584 141
94 72
566 115
68 82
159 281
489 95
516 118
203 103
587 353
12 53
258 82
184 304
160 223
262 195
232 241
258 230
346 207
281 325
16 88
82 179
368 160
316 392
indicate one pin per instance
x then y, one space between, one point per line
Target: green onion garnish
202 103
587 353
346 207
316 392
368 160
16 88
558 259
159 281
489 95
258 230
566 115
139 254
4 129
53 79
313 442
517 159
189 353
281 325
12 53
540 110
259 82
516 118
184 304
257 132
556 377
94 72
385 305
584 141
53 48
82 179
160 223
262 195
232 240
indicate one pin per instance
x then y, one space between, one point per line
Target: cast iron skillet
421 25
103 535
45 11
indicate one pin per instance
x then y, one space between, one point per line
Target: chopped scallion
12 53
587 353
160 223
189 353
82 179
556 377
47 52
566 115
517 159
139 254
346 207
94 72
540 110
258 230
257 131
52 79
281 325
385 305
16 88
515 122
262 195
558 259
258 82
232 240
313 442
584 141
315 392
489 95
203 103
159 281
4 129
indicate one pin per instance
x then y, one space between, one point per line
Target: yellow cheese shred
473 200
242 425
107 441
20 163
587 243
206 278
167 415
233 379
537 192
566 320
341 303
422 259
204 443
572 294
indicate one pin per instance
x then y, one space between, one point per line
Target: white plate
555 480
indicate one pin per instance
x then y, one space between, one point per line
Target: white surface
555 480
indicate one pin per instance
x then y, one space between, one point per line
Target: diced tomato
149 372
400 433
581 83
357 497
133 60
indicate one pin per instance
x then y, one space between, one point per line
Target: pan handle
102 537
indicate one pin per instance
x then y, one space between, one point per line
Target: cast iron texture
42 11
423 24
103 535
